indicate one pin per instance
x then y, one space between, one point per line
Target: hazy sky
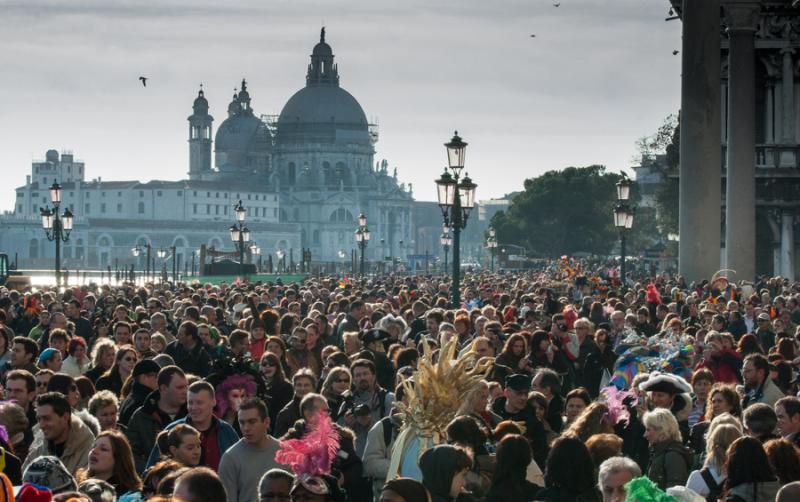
598 75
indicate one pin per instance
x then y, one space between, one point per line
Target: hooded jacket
145 424
133 401
438 469
76 449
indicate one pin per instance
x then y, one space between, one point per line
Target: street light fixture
240 234
56 228
623 220
362 238
456 199
137 250
280 254
491 243
446 241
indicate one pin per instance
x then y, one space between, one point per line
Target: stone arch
104 245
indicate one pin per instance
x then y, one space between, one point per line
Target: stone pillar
769 127
700 157
787 97
787 244
740 196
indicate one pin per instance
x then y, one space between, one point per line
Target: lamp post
446 241
362 238
491 243
240 234
137 250
623 220
456 199
280 254
255 250
161 254
56 228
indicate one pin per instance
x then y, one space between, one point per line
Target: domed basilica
317 155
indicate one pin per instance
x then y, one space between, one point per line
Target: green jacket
670 463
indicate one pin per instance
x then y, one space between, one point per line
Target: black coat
195 361
534 430
131 403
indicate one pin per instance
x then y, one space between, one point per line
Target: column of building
740 208
699 209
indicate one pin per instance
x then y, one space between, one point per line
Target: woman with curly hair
102 358
723 398
515 354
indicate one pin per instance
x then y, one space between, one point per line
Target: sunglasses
268 364
129 359
342 380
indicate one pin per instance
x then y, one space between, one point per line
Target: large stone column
740 195
787 244
700 152
787 97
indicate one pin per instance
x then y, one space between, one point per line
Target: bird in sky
557 4
533 36
144 81
675 52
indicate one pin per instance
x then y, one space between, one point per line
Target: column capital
787 50
741 16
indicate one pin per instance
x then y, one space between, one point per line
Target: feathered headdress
617 411
434 396
311 456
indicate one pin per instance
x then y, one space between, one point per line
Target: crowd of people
559 384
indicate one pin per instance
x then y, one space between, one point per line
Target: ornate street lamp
281 265
446 241
240 234
491 243
137 250
362 238
456 199
623 220
56 228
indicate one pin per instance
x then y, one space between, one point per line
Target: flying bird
144 81
675 52
533 36
557 4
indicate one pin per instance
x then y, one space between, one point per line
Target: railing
772 156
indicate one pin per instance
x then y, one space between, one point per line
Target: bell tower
199 137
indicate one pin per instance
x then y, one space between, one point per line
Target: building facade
303 176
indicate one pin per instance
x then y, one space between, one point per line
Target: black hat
665 382
375 335
146 366
518 383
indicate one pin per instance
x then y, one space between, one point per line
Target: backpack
714 489
388 430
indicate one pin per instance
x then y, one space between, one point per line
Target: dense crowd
559 384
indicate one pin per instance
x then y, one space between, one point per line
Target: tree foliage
562 212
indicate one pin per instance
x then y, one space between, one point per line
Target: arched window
33 248
141 208
79 249
341 215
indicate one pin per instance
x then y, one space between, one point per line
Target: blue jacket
226 437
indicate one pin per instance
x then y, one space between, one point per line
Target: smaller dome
51 156
200 102
322 49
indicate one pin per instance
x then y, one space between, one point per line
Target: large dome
324 113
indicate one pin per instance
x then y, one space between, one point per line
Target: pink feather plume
617 411
313 454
